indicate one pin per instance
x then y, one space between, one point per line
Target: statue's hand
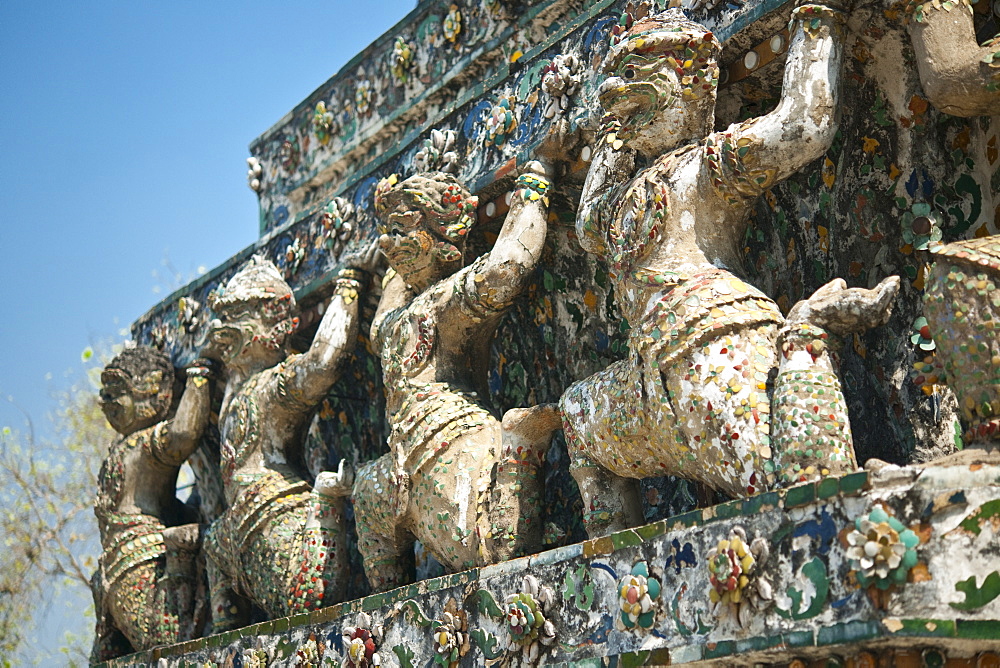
335 484
842 310
542 170
208 364
368 258
839 5
561 145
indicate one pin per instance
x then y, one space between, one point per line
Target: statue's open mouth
631 103
229 340
625 99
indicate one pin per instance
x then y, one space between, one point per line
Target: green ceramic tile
799 639
627 538
634 659
756 644
848 632
800 496
598 547
229 638
370 603
854 483
559 554
729 510
719 649
688 519
827 487
982 630
687 654
751 506
652 530
301 619
927 627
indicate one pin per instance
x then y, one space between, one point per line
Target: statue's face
233 336
408 244
638 86
131 404
643 92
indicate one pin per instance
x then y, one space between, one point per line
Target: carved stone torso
672 236
135 489
260 427
434 352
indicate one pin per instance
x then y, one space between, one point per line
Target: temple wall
475 69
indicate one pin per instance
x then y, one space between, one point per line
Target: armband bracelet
811 14
347 288
352 273
916 10
204 367
807 336
533 188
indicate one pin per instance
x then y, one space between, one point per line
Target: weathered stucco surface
949 603
480 88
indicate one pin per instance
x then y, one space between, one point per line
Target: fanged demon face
637 89
256 312
232 336
423 222
251 334
661 82
130 403
407 243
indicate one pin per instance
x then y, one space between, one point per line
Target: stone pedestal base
895 566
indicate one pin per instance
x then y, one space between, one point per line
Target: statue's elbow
959 91
811 134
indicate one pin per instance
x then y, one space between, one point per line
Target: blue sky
124 129
124 134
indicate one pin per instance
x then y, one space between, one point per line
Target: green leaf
414 614
977 597
487 604
405 655
487 642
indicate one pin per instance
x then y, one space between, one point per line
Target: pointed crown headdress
689 47
448 207
257 284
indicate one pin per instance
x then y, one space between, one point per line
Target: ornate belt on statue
264 496
139 540
698 308
433 415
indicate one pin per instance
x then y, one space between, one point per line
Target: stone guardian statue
281 542
458 478
146 584
693 398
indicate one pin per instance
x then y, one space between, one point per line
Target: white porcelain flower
881 549
452 25
560 80
363 97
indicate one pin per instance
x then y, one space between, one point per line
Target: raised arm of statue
802 127
500 274
185 430
958 76
311 374
609 168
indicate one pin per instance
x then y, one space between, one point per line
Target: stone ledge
948 602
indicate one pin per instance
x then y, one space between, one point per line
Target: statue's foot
186 537
842 310
531 427
335 484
